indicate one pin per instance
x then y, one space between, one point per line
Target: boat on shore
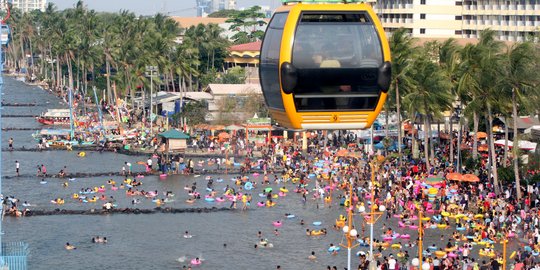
54 117
60 138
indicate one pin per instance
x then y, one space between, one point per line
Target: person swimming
69 246
187 235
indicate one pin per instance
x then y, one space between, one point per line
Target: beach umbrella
470 178
481 135
342 153
434 180
483 148
224 135
454 176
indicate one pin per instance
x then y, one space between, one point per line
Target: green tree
225 13
194 112
519 77
430 96
244 23
235 75
403 54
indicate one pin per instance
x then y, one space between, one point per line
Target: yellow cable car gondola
325 65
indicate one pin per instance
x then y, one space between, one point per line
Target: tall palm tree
449 59
430 96
479 81
403 53
520 78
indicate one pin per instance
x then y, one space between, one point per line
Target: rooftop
174 134
252 46
233 89
187 22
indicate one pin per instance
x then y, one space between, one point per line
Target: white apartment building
512 19
29 5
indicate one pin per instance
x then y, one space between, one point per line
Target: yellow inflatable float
440 253
81 154
490 254
442 226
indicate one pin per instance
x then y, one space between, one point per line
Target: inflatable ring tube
440 253
445 214
461 228
317 223
442 226
333 248
277 223
396 246
81 154
432 248
405 236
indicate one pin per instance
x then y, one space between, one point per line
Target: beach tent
174 140
523 145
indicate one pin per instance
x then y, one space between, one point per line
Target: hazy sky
149 7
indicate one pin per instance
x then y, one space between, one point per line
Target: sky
149 7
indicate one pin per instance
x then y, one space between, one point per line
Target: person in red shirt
486 205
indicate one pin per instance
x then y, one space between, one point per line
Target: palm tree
403 53
520 78
449 59
429 96
478 81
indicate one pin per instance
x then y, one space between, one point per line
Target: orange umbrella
483 148
224 135
470 178
342 152
481 135
454 176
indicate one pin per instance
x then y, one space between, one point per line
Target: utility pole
151 71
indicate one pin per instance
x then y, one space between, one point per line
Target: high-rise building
29 5
205 7
513 20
